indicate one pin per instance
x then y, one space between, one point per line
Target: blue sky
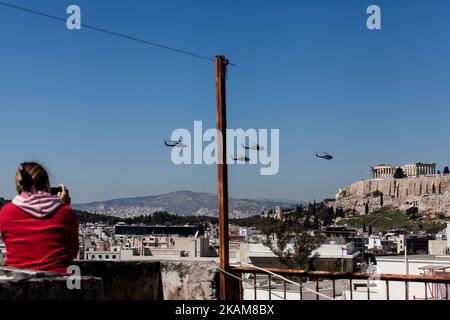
95 108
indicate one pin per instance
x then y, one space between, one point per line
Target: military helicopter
175 144
241 158
325 155
254 146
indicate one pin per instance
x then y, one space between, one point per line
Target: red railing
436 287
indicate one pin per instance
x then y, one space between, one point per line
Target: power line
117 34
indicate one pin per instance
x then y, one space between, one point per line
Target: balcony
285 284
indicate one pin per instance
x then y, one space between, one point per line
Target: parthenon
417 169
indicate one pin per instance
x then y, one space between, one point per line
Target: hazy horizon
179 191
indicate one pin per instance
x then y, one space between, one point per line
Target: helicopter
254 146
325 155
175 144
241 158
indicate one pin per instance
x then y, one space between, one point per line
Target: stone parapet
114 280
20 284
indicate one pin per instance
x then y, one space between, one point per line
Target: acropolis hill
422 188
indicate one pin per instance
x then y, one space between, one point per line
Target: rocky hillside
183 203
430 194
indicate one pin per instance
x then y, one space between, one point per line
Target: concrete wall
19 284
437 247
126 280
112 280
315 264
155 280
189 280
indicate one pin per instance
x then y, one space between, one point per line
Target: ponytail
25 180
31 177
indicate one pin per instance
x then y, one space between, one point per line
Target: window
100 256
93 257
114 256
107 256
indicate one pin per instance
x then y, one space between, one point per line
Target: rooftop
259 250
421 257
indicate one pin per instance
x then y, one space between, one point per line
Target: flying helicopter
254 146
325 155
175 144
241 158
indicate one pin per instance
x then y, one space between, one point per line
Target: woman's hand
64 195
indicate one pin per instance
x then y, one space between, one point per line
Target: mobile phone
55 190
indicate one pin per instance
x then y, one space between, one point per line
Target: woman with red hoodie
40 230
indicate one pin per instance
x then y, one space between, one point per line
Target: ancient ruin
422 188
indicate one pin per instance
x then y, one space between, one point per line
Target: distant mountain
287 201
183 203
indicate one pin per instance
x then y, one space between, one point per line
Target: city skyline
95 109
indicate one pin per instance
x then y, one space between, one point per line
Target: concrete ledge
18 273
21 284
155 280
189 280
133 280
113 280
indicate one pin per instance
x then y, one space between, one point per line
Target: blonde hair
32 177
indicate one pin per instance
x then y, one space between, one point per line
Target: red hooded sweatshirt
40 233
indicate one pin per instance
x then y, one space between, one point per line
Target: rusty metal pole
221 65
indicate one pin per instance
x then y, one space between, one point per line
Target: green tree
446 170
312 212
340 212
316 224
412 212
381 200
307 221
326 215
299 211
366 208
292 244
